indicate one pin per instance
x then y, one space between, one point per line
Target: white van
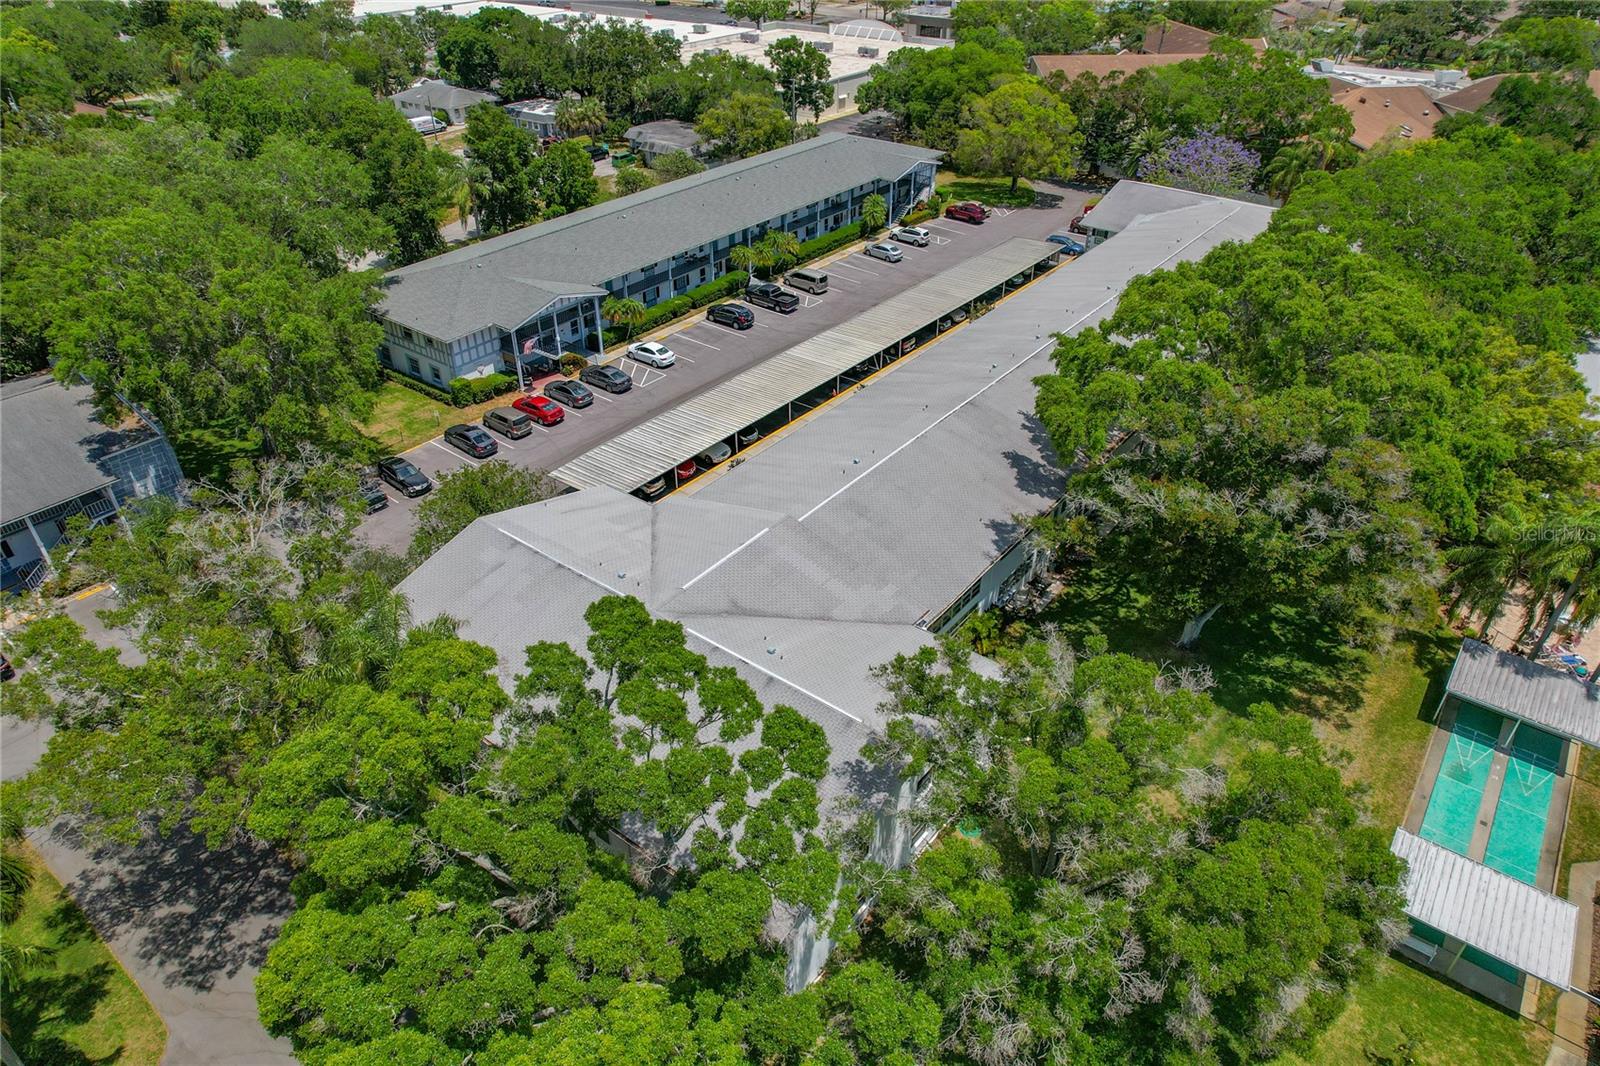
812 281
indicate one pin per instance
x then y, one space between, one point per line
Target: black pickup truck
776 297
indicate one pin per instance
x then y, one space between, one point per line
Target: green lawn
209 454
77 1006
403 418
1449 1026
996 192
1582 840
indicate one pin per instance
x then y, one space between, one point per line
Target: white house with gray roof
463 313
431 95
835 547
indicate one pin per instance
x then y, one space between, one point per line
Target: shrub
838 238
921 214
572 363
417 386
464 392
712 291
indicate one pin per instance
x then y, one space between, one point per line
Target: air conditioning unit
823 46
750 37
698 28
870 53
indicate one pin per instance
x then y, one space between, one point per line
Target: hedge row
729 284
464 392
849 233
416 386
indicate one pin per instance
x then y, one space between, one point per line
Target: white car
915 235
889 253
651 353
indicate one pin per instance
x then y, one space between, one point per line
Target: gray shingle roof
1550 699
442 296
1129 200
441 95
1494 912
51 440
811 563
663 135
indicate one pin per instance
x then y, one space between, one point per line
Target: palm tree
779 248
471 190
874 213
587 115
1569 560
1287 168
1485 572
624 311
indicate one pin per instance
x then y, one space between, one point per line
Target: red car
965 213
544 411
686 470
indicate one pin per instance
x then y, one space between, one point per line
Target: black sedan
608 378
736 315
403 476
570 393
471 439
373 498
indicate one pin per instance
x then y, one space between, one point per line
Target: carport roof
1536 694
1494 912
644 452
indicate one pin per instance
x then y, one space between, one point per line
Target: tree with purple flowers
1207 162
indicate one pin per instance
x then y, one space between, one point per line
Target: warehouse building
848 540
540 289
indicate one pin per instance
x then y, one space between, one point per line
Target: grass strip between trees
77 1005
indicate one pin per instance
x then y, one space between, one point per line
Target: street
709 354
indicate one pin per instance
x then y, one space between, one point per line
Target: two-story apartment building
59 462
463 313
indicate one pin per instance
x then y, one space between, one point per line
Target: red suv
965 213
544 411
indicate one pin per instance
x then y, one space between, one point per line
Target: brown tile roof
1100 65
1378 111
1180 38
1473 96
1161 38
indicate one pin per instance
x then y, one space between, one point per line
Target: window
5 549
383 353
409 335
435 372
415 367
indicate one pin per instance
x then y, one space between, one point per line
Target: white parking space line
849 266
453 454
809 301
506 444
703 344
940 227
607 399
852 282
762 325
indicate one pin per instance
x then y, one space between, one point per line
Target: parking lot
708 354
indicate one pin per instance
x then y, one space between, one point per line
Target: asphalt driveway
709 354
191 926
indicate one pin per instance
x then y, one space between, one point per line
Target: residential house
59 462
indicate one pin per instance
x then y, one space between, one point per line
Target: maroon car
965 213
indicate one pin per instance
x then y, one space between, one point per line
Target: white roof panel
1494 912
633 458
